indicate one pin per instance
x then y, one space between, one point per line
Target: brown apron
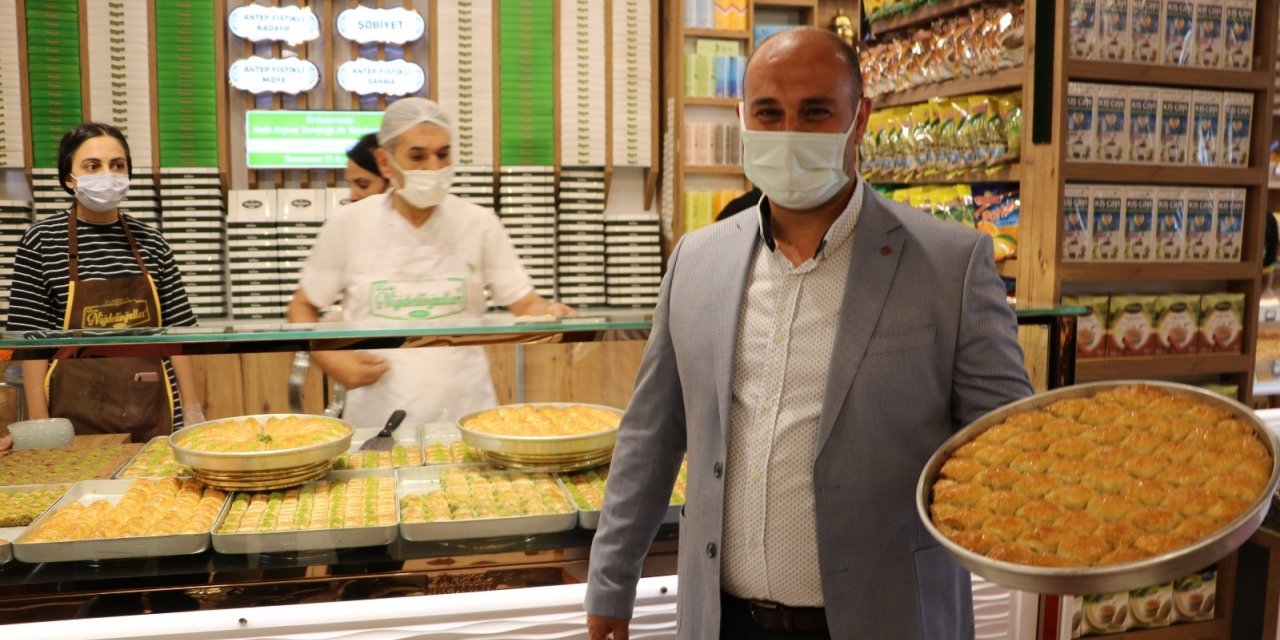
111 395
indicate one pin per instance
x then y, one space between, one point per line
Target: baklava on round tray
548 436
1100 487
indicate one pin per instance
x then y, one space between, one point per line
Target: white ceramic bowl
42 434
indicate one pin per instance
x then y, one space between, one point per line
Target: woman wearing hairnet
415 253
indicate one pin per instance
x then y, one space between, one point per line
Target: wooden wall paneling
85 113
433 51
496 80
653 172
589 372
608 97
221 92
327 89
220 379
382 55
556 102
236 385
1039 241
153 73
249 103
27 154
277 103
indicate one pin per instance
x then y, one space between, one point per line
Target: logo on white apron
425 299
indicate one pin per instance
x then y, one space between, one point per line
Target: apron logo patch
116 313
418 299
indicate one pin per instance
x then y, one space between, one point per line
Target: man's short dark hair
77 136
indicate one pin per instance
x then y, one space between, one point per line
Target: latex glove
192 414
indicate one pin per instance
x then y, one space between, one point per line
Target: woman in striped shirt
94 268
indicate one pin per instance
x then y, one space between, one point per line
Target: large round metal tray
1112 578
550 453
256 462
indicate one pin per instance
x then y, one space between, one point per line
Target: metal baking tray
9 534
86 492
311 539
405 436
549 453
445 434
591 519
1112 578
250 462
418 480
154 442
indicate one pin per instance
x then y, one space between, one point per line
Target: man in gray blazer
809 355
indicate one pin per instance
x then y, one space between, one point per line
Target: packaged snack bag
1206 109
1112 136
1091 328
1238 34
1080 119
1229 224
1179 33
1201 241
1113 30
1237 125
1144 105
996 211
1144 31
1177 323
1108 235
1131 326
1221 322
1170 233
1084 29
1208 33
1076 223
1175 115
1139 224
1011 121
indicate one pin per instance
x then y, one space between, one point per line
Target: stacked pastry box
633 260
301 214
527 206
1119 325
580 231
15 219
193 218
1139 223
1190 598
252 258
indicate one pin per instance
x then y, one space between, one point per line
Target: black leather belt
780 617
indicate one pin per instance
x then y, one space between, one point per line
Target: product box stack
193 220
252 262
1144 223
526 99
186 83
300 214
119 72
633 78
1190 598
464 60
580 270
474 184
12 134
48 194
633 260
15 219
714 69
53 76
527 207
1124 325
583 104
143 200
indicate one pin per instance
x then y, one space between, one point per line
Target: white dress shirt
786 335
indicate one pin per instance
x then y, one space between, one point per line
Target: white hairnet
407 113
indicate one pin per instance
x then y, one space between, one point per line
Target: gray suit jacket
925 344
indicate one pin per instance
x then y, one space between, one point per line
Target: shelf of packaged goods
1149 366
1225 79
1004 79
716 170
1180 631
1009 173
922 17
717 33
697 101
1156 271
1163 174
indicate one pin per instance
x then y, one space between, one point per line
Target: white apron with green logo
414 284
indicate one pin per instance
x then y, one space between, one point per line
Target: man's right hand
352 369
602 628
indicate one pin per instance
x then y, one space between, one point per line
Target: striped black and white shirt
41 274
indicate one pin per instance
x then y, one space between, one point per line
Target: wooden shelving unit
1010 173
1163 175
712 102
713 170
1157 271
1225 79
717 33
1157 366
1003 80
922 16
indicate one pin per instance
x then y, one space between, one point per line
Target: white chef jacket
382 268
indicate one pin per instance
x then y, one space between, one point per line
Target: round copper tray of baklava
984 508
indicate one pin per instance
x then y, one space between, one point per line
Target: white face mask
101 191
423 188
795 169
